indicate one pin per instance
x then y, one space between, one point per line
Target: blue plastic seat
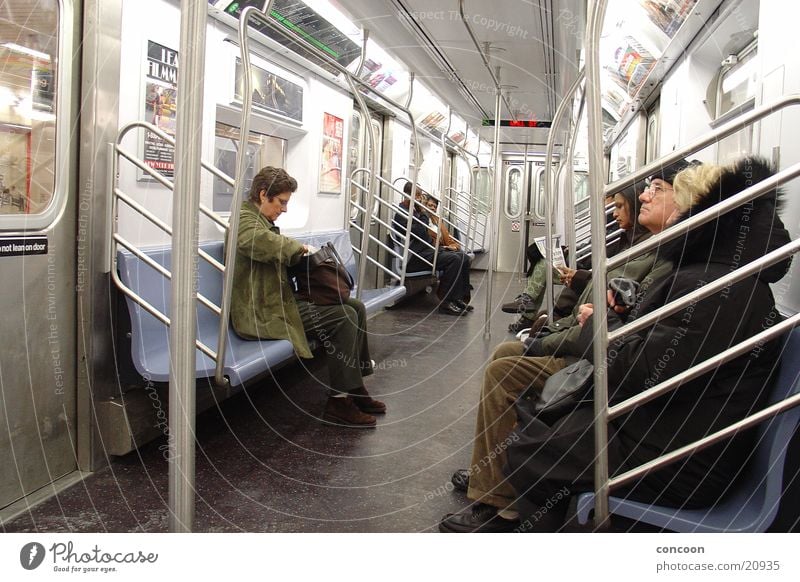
244 359
752 503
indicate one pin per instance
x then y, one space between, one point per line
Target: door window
29 107
513 206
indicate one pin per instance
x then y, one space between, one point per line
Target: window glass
513 192
262 150
538 208
580 186
738 84
28 72
737 87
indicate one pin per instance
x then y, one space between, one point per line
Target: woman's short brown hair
274 181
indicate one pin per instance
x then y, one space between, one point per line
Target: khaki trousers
506 377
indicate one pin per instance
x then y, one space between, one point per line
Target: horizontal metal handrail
720 284
155 312
722 131
165 181
161 269
384 268
586 251
382 244
712 439
676 230
163 225
392 230
707 365
586 212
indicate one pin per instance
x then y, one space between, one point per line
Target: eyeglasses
654 190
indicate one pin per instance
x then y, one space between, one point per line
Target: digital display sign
517 123
302 22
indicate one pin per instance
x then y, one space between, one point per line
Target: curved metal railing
603 414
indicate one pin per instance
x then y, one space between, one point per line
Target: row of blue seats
244 359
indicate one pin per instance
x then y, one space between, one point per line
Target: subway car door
38 236
534 206
511 231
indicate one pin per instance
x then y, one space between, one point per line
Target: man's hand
566 275
584 312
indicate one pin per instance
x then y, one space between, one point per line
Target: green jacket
262 301
645 269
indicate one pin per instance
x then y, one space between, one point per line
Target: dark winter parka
695 333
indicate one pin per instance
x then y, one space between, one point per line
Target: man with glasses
516 368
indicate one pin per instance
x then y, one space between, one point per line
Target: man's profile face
658 205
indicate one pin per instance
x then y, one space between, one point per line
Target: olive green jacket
645 269
262 300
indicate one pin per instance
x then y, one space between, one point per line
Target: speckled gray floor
265 462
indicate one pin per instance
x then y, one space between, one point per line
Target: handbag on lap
321 277
564 391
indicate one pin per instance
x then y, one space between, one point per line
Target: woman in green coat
263 305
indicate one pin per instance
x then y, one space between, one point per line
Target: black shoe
479 518
450 308
460 480
522 303
522 323
464 306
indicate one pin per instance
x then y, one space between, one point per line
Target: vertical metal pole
526 176
569 208
472 226
413 180
549 197
373 163
238 188
498 178
594 27
183 304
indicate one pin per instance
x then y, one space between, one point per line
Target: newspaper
558 255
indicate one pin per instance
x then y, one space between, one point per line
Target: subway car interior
134 136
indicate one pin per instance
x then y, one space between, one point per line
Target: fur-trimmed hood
741 235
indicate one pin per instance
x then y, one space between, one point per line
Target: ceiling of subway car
535 44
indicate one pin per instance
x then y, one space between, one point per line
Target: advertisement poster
330 175
161 85
271 92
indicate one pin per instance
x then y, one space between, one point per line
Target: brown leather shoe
367 403
344 412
